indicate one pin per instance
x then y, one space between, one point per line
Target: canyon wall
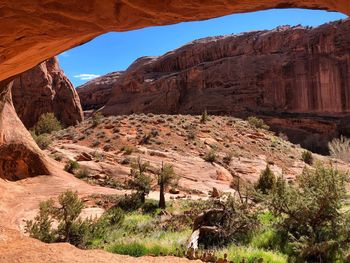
45 88
95 93
296 78
289 69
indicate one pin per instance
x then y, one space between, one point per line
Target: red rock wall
96 93
45 88
284 70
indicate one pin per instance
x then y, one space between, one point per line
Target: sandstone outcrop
45 88
95 93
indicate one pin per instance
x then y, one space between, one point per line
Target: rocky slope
45 88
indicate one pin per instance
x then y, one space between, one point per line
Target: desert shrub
340 148
47 123
204 117
139 180
210 156
71 166
311 218
41 227
129 202
95 143
97 119
42 140
82 173
227 158
266 181
307 157
257 123
146 139
127 150
70 228
70 208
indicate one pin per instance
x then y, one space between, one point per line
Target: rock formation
33 31
297 78
95 93
43 89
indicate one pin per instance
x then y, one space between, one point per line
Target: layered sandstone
45 88
95 93
289 69
33 31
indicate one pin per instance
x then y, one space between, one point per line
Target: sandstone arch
35 30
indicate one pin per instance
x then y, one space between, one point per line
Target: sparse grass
249 254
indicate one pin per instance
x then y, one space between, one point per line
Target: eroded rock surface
95 93
45 88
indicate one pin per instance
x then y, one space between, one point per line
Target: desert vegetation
295 209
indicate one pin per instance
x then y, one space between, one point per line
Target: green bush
139 180
311 215
42 140
257 123
307 157
71 166
72 229
47 123
210 156
41 227
266 181
97 119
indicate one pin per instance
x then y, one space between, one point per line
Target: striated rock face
95 93
289 69
33 31
43 89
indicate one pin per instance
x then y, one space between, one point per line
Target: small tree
41 227
166 177
69 210
311 218
267 181
139 180
47 123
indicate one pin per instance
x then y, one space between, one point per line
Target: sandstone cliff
43 89
95 93
289 69
297 78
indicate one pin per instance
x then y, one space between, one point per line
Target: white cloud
86 76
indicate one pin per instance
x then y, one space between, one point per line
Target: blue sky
117 50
